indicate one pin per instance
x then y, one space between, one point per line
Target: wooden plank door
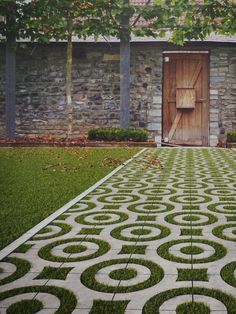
186 98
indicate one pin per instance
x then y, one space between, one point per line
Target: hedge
231 136
117 134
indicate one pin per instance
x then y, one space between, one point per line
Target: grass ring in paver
152 208
191 219
82 206
193 308
46 253
157 232
226 232
50 233
223 207
193 199
88 277
157 191
67 299
123 274
22 268
102 218
190 185
221 192
129 185
118 198
218 252
154 304
218 180
162 181
25 306
228 274
101 190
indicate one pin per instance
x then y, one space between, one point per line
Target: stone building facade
41 103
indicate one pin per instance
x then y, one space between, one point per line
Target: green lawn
34 182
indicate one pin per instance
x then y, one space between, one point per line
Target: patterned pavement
159 236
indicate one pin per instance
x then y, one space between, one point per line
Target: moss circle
153 305
164 251
162 232
88 277
123 274
46 252
120 217
193 308
219 232
118 198
25 306
191 218
73 249
191 250
159 207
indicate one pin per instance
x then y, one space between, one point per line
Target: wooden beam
175 123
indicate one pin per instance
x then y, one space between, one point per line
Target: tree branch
138 17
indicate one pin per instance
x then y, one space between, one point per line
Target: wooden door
186 98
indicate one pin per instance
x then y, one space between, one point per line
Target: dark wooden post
124 71
10 81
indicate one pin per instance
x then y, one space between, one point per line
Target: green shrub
231 136
116 134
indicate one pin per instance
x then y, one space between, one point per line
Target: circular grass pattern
190 199
223 207
52 232
47 253
156 232
157 191
118 198
82 206
165 251
221 192
141 231
123 274
101 190
129 185
153 305
67 299
148 208
193 307
191 250
88 277
219 180
102 218
161 181
228 274
22 268
226 232
191 219
190 185
26 307
77 248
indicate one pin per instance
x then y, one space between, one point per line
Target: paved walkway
158 237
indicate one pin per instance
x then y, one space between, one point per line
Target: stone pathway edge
27 235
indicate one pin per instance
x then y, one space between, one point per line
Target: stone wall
41 88
222 93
